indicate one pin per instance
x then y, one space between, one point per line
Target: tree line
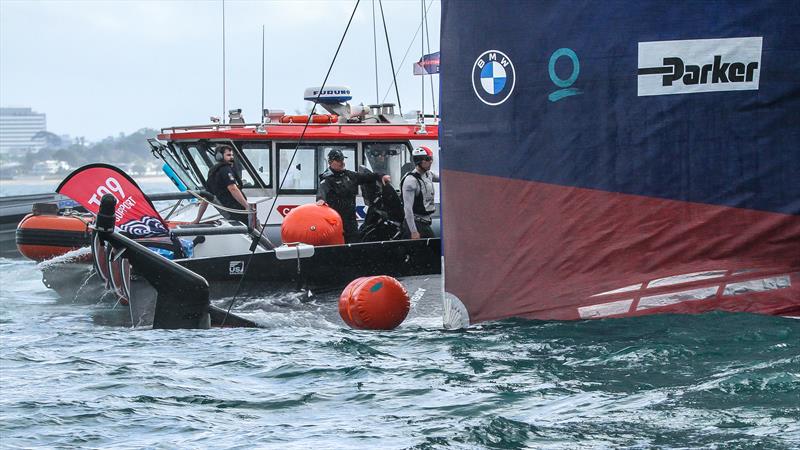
123 149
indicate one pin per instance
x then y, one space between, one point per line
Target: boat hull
635 164
583 244
330 266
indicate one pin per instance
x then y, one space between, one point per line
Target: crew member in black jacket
338 188
226 186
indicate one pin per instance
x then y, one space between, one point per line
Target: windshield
182 170
386 158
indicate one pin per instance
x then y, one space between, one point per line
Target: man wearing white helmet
418 195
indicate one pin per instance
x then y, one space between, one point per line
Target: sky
100 68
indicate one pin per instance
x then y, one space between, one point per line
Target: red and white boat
279 160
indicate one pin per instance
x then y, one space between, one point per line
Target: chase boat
278 160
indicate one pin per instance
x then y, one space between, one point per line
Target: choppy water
305 381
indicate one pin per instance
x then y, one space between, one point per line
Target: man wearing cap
418 195
338 188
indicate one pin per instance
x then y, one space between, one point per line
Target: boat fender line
374 303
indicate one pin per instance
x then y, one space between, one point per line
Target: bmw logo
493 77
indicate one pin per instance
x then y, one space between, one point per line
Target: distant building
49 167
19 128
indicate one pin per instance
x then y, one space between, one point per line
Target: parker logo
702 65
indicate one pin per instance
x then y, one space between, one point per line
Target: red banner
135 215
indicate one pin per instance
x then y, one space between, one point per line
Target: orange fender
374 303
313 224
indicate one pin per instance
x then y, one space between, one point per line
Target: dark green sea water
70 378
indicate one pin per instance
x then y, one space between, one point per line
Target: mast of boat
223 62
391 60
422 60
263 53
428 40
375 51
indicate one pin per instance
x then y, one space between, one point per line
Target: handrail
227 127
179 195
208 231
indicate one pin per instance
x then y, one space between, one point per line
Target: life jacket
211 182
419 200
343 190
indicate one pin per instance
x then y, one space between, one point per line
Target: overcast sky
98 68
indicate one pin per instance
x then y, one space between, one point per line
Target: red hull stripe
545 251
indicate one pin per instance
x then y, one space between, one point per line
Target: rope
406 54
375 49
391 60
172 211
428 39
305 127
223 208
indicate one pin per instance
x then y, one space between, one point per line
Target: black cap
336 155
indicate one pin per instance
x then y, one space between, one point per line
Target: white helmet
422 153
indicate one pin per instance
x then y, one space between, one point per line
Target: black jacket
220 177
339 190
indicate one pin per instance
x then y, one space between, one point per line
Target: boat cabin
283 155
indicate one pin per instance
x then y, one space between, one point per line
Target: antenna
428 39
422 57
391 60
263 52
223 62
375 49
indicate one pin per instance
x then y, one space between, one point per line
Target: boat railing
257 126
204 230
165 196
208 127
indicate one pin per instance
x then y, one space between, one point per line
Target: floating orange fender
43 236
374 303
313 224
316 118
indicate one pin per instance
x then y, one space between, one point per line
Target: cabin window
302 175
248 181
200 162
239 164
386 158
302 172
349 152
259 156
